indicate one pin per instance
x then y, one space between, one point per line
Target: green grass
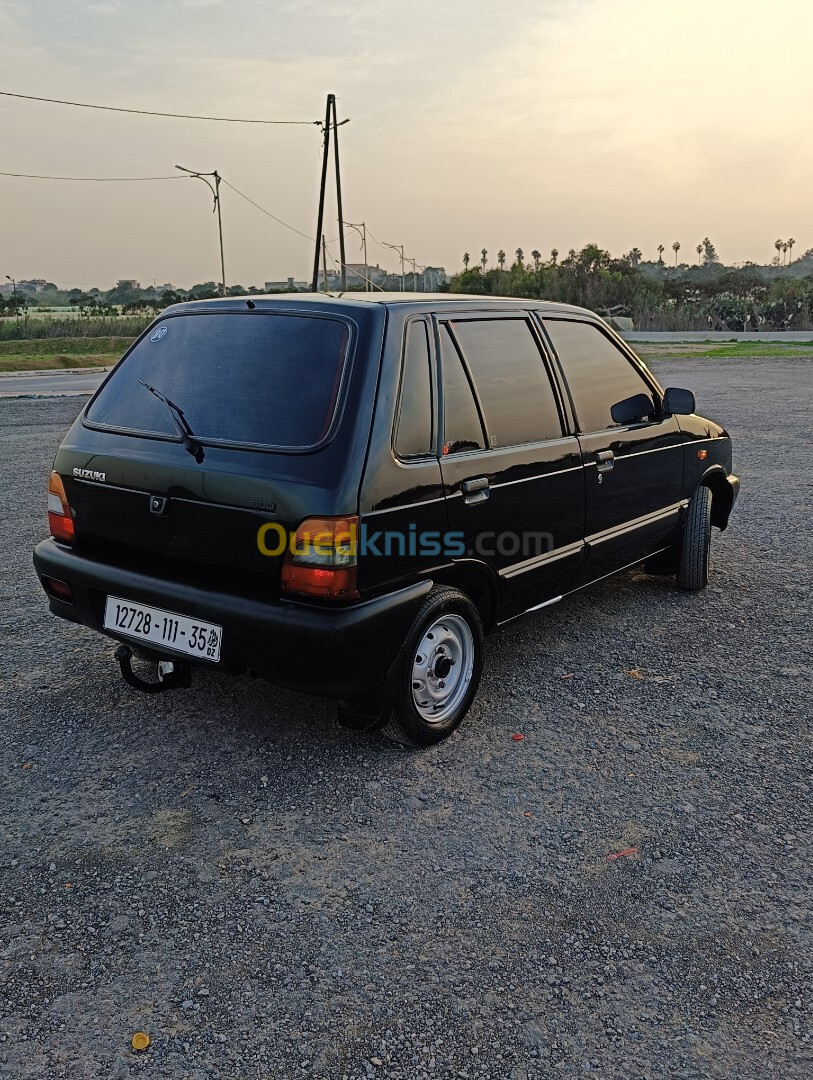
60 327
44 354
719 351
65 346
756 348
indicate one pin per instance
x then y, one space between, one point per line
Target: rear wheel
439 671
693 568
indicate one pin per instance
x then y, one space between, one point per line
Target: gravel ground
268 896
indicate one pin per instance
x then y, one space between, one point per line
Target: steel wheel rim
442 667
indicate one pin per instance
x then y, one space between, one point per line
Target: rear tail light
322 559
60 516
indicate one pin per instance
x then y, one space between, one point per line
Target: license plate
163 628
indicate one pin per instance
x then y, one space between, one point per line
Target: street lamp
400 249
14 296
215 190
414 274
361 229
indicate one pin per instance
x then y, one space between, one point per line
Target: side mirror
680 402
632 409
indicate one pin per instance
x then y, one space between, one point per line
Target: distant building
357 272
33 285
334 281
289 285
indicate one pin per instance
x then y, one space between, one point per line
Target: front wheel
693 568
439 672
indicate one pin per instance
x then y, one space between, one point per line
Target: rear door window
413 435
462 428
268 380
511 378
598 373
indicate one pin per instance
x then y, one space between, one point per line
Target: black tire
693 568
406 724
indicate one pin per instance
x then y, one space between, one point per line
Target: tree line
708 295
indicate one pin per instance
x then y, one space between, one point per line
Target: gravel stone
396 914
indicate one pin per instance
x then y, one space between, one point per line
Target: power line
151 112
94 179
375 238
298 232
267 213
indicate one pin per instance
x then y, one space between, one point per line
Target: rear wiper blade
180 423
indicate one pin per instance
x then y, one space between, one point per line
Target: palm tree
501 259
520 254
466 260
634 257
778 246
784 252
699 250
676 249
554 255
791 242
661 250
536 256
483 259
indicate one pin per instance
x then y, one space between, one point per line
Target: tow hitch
172 674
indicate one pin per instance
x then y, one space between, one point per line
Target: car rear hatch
270 408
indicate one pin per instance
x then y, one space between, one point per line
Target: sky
472 123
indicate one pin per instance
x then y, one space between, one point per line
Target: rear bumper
331 652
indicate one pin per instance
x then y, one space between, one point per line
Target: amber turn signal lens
60 516
702 454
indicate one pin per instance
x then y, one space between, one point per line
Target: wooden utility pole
331 122
320 219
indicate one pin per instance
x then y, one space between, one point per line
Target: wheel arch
722 496
479 584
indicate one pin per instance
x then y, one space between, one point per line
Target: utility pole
14 296
322 186
361 229
400 249
331 121
324 263
414 274
215 190
342 258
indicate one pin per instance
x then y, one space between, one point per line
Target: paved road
68 385
269 897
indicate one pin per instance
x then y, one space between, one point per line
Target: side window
511 378
413 435
462 429
598 373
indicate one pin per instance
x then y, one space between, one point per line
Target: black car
344 494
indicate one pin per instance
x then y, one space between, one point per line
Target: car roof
417 300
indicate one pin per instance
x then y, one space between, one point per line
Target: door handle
475 491
605 460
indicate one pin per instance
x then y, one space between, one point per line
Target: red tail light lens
60 516
321 561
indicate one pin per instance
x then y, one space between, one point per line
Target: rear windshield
269 380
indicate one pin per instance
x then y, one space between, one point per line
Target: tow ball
172 674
